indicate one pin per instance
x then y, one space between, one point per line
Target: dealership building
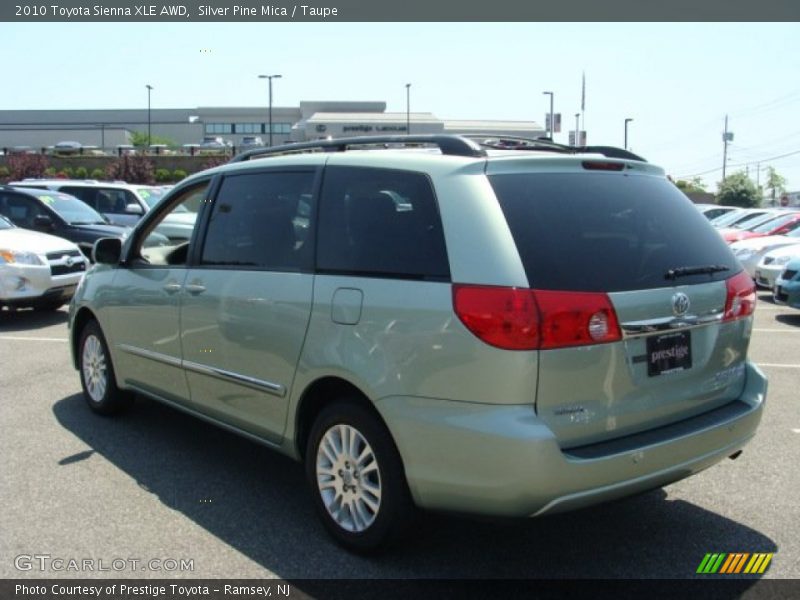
309 121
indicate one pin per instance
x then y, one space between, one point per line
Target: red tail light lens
741 297
522 319
500 316
597 165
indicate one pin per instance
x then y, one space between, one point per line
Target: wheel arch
82 317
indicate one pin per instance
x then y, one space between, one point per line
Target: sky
677 81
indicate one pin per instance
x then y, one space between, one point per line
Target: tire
97 373
365 505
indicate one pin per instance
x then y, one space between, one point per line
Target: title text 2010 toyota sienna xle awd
446 325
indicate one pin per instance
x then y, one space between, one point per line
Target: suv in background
59 214
37 270
120 202
428 321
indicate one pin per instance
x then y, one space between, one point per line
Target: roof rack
452 145
510 142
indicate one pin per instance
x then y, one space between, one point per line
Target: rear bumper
502 460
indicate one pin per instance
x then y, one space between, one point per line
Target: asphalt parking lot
156 484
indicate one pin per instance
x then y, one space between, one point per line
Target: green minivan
434 322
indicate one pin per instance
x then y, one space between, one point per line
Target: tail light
741 297
523 319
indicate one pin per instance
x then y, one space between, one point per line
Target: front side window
261 220
380 223
166 240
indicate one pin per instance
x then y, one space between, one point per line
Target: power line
771 158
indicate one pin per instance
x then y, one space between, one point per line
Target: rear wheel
97 373
357 478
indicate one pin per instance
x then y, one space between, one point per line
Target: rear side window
380 223
600 232
261 220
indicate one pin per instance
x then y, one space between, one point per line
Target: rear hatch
618 234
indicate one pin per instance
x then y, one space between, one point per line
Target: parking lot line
14 338
778 366
776 330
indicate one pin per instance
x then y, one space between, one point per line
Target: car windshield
753 222
152 195
774 223
727 218
72 210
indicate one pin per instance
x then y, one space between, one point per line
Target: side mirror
107 251
43 222
134 209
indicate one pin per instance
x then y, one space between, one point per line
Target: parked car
120 202
787 285
771 224
738 216
249 142
59 214
712 211
750 252
67 147
512 332
773 263
37 270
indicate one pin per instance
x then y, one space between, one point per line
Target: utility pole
726 137
577 129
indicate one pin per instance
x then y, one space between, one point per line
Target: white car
750 252
36 269
773 263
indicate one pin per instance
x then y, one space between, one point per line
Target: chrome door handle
195 288
171 288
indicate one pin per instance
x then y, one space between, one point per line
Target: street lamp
408 109
550 124
628 120
577 129
270 78
149 89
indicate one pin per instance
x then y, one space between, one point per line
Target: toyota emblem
680 304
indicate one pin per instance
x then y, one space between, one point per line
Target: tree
694 185
139 139
775 184
738 190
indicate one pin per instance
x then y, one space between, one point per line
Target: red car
779 225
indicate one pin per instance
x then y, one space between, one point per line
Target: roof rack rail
510 142
452 145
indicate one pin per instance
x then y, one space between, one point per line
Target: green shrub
81 173
98 173
4 172
50 172
163 175
66 172
178 174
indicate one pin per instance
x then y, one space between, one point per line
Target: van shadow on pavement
256 501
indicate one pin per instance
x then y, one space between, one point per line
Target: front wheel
357 478
97 373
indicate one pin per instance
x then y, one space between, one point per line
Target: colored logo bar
735 562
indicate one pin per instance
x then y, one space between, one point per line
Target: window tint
602 232
20 209
380 222
166 240
261 220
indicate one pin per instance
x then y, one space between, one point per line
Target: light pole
149 89
270 78
628 120
408 109
577 129
550 124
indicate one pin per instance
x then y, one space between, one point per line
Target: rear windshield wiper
704 270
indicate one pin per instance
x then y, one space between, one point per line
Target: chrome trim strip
258 384
149 354
664 324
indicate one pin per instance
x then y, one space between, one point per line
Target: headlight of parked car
20 258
